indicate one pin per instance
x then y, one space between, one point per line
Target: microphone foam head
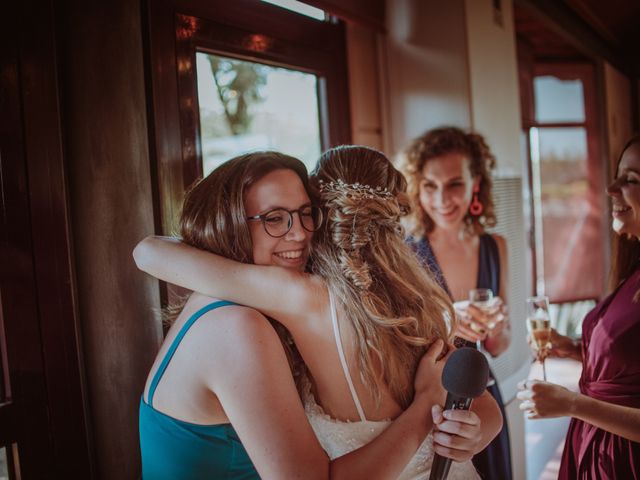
466 373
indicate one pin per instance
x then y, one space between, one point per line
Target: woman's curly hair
393 304
436 143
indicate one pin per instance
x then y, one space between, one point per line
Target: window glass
247 106
558 100
4 465
571 218
299 7
5 391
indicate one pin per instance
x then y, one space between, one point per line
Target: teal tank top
178 450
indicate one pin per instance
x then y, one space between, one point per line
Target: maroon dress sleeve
611 373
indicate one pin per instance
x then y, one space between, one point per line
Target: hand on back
428 379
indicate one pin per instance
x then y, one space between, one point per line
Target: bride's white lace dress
340 437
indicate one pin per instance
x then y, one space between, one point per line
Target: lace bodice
341 437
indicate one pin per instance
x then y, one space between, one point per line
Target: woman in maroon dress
604 435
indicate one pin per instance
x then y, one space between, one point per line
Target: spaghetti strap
343 360
176 341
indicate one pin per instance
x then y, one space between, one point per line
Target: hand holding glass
490 305
539 327
481 298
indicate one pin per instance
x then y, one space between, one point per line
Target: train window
4 467
558 100
248 106
567 185
234 77
9 464
299 7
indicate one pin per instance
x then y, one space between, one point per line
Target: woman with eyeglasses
361 322
220 399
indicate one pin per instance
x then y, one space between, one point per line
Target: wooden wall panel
103 91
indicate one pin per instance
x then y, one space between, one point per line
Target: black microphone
464 377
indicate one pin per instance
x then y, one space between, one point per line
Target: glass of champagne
539 327
483 299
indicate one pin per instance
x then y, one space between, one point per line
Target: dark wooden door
43 428
23 411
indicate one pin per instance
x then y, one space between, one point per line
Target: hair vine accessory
355 190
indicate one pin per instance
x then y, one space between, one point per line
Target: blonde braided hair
393 303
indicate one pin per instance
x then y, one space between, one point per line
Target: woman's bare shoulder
221 326
500 241
235 322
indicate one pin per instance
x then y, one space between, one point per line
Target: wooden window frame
46 413
586 73
178 28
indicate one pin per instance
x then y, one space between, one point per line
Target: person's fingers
449 349
459 429
464 331
524 395
465 416
436 414
527 405
435 349
478 326
452 453
477 314
459 442
542 354
479 322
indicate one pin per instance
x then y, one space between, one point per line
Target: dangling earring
476 208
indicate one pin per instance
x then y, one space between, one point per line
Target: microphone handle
457 403
441 465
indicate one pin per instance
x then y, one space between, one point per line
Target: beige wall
493 73
365 89
426 69
618 105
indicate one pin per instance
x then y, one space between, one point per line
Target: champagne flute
539 327
483 299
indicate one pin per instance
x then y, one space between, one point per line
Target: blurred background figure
449 175
604 435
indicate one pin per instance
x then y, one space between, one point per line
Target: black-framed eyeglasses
278 222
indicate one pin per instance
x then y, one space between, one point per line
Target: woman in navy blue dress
449 176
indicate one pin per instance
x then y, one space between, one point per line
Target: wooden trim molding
48 420
243 29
